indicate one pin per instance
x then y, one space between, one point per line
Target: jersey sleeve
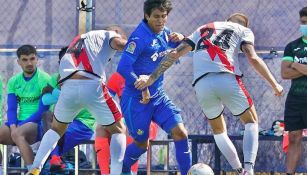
247 37
44 79
131 52
112 35
10 86
288 53
53 82
193 39
134 47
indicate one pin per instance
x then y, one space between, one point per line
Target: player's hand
278 89
145 96
47 89
143 82
176 37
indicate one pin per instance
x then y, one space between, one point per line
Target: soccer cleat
56 164
34 171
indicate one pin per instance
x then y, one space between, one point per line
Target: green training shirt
296 51
27 92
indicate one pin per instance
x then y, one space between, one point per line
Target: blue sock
183 156
132 154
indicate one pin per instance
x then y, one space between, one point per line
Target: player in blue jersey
146 47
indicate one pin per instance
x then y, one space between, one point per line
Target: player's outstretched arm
288 71
166 63
259 65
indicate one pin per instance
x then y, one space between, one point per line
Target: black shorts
295 113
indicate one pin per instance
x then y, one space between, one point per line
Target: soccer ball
200 169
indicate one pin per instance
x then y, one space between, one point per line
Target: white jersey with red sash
216 48
88 54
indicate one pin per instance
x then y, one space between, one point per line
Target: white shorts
89 94
216 89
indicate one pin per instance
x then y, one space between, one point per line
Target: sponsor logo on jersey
28 99
296 49
155 56
154 43
300 60
140 132
131 47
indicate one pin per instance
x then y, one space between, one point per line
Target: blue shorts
76 133
40 129
138 116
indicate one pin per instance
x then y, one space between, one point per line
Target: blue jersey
143 52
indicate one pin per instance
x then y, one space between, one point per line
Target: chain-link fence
51 24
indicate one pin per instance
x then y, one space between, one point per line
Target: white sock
250 145
117 152
29 167
47 144
228 150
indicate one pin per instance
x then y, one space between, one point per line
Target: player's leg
102 147
137 119
135 166
64 113
295 121
213 108
5 135
237 99
23 137
106 111
168 117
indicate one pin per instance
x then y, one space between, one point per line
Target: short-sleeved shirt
216 46
27 92
83 116
95 55
146 49
296 51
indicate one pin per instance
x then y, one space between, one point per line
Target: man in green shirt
24 90
294 67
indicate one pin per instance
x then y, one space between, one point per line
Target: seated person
24 126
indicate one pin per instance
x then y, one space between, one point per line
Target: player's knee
143 144
295 137
179 132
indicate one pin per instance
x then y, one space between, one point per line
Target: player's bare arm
118 43
166 63
289 72
301 68
259 65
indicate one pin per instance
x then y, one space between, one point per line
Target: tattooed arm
166 63
260 66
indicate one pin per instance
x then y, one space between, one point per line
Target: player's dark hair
26 50
303 12
62 52
163 5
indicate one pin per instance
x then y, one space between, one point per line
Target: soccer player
294 67
116 84
217 82
145 49
81 129
83 86
24 91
